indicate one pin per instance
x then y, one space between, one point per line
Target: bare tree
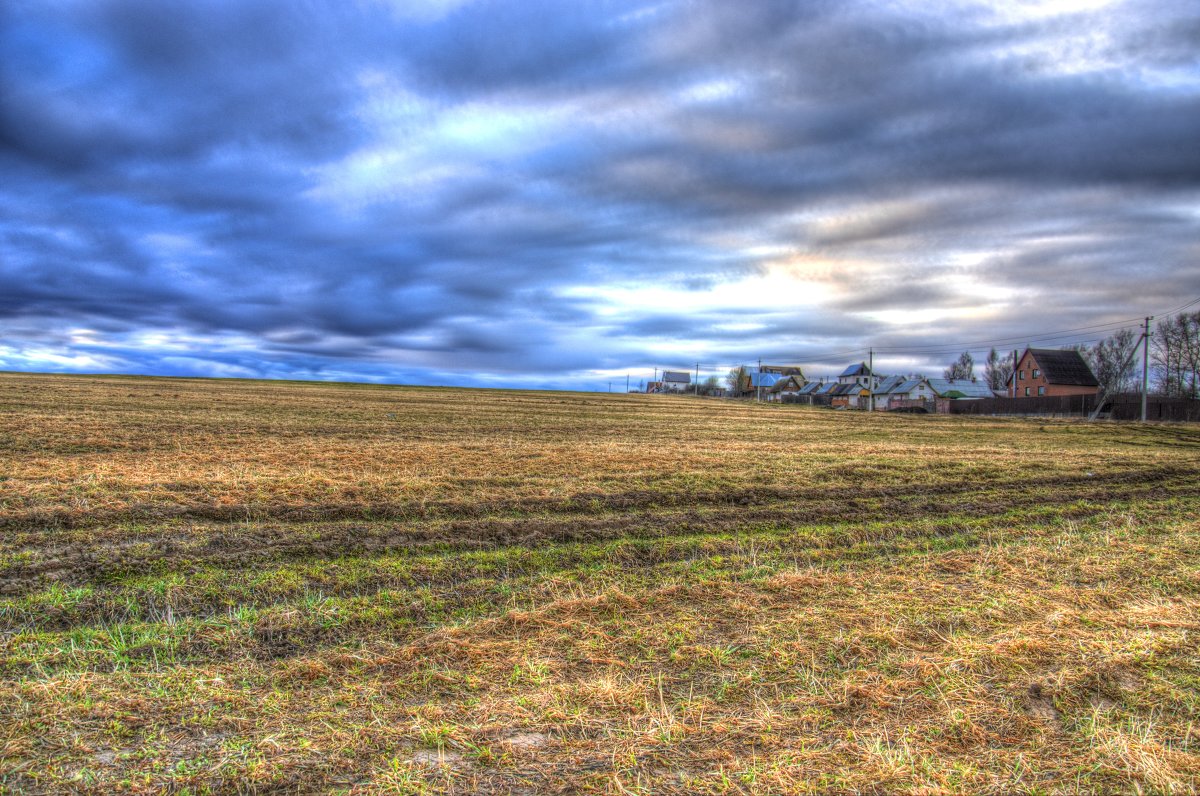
962 368
1111 363
736 379
709 386
1176 346
997 370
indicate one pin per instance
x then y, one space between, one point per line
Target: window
1021 375
1036 373
1026 392
1041 390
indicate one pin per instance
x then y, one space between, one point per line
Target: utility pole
1014 374
758 396
696 390
610 386
870 379
1145 363
1125 363
626 383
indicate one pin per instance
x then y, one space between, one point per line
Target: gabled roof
890 384
1064 367
855 370
762 379
909 385
787 383
810 388
959 388
782 370
827 388
677 376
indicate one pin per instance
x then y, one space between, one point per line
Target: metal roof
788 383
676 376
782 370
968 388
810 388
763 379
855 370
909 385
889 385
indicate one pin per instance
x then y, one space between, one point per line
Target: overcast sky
556 193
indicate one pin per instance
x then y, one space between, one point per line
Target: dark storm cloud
472 192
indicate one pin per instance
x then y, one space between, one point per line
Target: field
270 587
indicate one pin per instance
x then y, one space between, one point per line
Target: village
1038 373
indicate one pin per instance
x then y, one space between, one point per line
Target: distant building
1047 371
861 375
883 392
783 370
786 388
766 377
911 394
958 389
811 387
850 396
671 381
932 395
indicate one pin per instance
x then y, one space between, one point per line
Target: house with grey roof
676 380
924 394
958 389
849 396
883 393
917 389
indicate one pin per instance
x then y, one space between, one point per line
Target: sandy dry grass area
222 587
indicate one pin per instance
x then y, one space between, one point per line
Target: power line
1191 303
1016 338
1061 336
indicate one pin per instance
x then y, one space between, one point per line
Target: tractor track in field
583 503
290 635
100 555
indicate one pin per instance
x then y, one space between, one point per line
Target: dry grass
267 587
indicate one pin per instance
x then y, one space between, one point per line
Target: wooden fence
1118 407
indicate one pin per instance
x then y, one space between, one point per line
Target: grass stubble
267 587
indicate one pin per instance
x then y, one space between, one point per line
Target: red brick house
1047 371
